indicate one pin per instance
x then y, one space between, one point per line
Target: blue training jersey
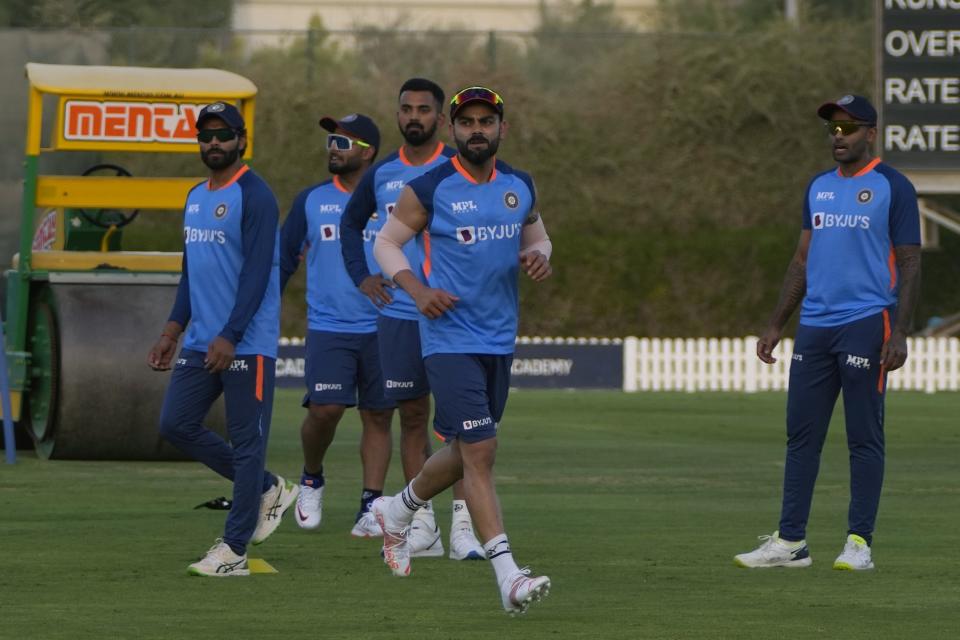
371 203
472 251
312 229
230 284
856 222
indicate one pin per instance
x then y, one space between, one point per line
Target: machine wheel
44 375
106 218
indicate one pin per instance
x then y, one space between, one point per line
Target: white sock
460 512
405 504
500 556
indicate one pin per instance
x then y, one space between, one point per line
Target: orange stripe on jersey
456 163
892 265
867 169
339 185
436 154
259 390
242 170
427 266
886 338
442 439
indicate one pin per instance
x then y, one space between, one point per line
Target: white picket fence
731 364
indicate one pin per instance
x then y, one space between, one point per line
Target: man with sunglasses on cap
343 361
484 228
857 272
228 299
419 117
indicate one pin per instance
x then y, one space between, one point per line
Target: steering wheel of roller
106 218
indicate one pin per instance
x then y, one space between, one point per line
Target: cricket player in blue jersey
229 302
483 229
419 117
343 360
857 272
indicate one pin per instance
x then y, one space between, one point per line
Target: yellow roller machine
81 312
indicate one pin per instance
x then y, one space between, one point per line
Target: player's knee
478 457
169 427
414 414
324 415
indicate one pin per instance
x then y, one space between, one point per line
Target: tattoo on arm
792 292
908 271
532 217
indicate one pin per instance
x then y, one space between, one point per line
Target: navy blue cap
857 107
356 125
225 111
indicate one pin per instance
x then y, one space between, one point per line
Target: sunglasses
343 143
845 127
223 135
477 93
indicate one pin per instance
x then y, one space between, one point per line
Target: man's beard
478 156
418 135
345 166
223 161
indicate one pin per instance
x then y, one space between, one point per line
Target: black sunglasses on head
222 135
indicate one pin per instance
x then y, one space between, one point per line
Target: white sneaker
220 562
424 536
367 527
273 504
396 551
775 553
855 556
309 507
464 544
519 590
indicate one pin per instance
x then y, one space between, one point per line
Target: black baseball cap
475 94
355 125
225 111
857 107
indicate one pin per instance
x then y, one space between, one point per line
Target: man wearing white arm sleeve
480 228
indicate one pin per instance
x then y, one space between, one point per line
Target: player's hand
375 287
220 354
894 352
161 355
767 343
536 265
434 302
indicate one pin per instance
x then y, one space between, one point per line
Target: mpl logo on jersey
129 121
329 208
393 185
464 206
822 220
475 234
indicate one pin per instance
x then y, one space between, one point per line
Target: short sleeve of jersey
424 188
527 180
363 201
904 211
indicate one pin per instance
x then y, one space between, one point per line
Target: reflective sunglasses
845 127
477 93
223 135
343 143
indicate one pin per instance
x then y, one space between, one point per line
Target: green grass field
633 504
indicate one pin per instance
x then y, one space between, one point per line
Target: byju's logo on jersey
474 424
467 235
864 196
389 208
220 212
511 199
329 232
464 206
473 235
823 220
